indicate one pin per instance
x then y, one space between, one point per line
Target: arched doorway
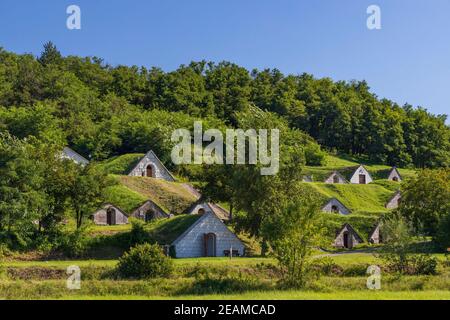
149 216
149 171
210 245
335 178
334 209
347 240
395 179
201 211
110 217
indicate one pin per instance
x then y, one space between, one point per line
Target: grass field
290 295
251 278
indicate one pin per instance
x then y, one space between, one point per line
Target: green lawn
291 295
47 280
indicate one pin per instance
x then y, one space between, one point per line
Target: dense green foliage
103 111
144 261
112 115
398 237
426 200
293 233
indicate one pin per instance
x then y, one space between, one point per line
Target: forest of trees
101 110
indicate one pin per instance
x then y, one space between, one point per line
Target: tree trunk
264 247
231 210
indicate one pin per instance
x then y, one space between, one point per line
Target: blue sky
408 60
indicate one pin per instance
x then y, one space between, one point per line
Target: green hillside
370 198
366 202
130 192
121 164
345 164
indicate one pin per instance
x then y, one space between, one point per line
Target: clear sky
408 60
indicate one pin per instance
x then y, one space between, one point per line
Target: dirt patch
36 273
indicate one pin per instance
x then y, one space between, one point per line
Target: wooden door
149 171
346 240
362 179
210 245
111 217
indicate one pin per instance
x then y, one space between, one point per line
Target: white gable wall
394 201
191 244
199 206
334 202
330 179
394 174
359 171
159 171
100 216
75 157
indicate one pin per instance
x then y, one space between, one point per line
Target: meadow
218 278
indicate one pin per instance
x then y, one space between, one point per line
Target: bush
423 264
327 266
138 235
442 237
145 261
314 156
74 244
4 251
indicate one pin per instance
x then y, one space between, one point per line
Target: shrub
442 237
326 266
423 264
138 235
74 244
145 261
314 155
4 251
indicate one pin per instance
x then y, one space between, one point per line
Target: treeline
103 110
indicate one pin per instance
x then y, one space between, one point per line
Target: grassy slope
171 196
366 202
165 231
132 191
341 163
124 197
369 198
121 164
